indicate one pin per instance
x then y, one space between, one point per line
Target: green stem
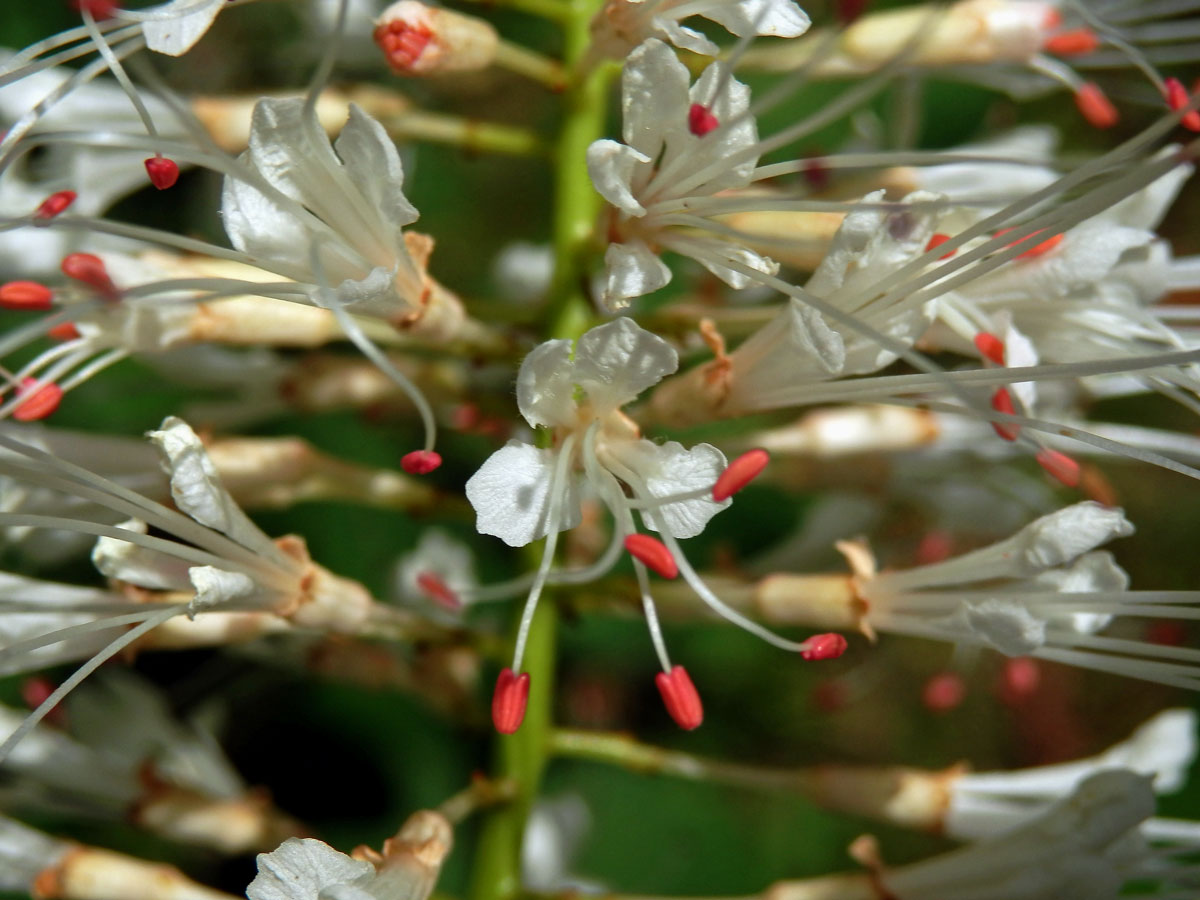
521 757
472 135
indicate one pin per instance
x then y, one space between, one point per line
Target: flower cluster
759 319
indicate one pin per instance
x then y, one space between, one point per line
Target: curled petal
654 95
778 18
672 468
176 35
611 167
546 385
304 868
615 362
632 270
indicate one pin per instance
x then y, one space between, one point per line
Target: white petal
1004 625
780 18
1163 747
546 385
632 270
177 34
1019 352
510 494
372 163
126 561
301 868
195 485
215 587
672 468
258 226
813 339
729 101
1061 536
616 361
654 99
1146 209
611 166
712 252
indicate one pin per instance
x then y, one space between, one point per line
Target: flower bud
424 40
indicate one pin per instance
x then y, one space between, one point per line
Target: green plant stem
554 10
471 135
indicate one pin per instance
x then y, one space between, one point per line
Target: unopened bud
509 701
424 40
680 697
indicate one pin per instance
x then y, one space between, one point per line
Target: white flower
989 803
677 142
333 214
517 495
623 24
438 577
1083 848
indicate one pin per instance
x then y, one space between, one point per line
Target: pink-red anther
54 204
1002 403
701 120
1096 107
934 547
680 697
37 402
420 462
1059 466
1076 42
944 692
438 591
1019 679
823 646
990 347
740 473
653 554
936 241
90 270
817 173
1177 99
99 9
163 172
509 701
64 331
1037 249
25 295
402 43
849 11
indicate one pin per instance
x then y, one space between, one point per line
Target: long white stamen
114 65
558 493
83 672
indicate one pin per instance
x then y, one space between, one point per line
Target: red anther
1059 466
943 692
65 331
402 43
1019 679
701 120
652 553
1076 42
1051 19
99 9
1037 249
1167 634
936 241
1002 403
438 591
830 695
420 462
509 701
740 473
54 204
1096 107
817 173
90 270
37 690
25 295
1177 99
849 11
990 347
934 547
823 646
680 697
163 172
36 404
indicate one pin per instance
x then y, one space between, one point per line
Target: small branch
480 794
530 64
470 135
